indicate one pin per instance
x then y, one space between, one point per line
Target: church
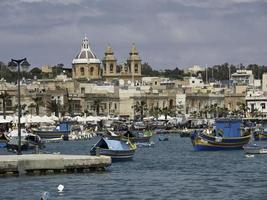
87 66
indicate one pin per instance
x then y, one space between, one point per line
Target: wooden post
97 151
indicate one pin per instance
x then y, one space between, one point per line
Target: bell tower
134 64
109 64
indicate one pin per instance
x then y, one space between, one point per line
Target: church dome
86 55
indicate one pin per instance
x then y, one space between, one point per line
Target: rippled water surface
169 170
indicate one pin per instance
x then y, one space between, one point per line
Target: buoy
60 188
250 156
45 196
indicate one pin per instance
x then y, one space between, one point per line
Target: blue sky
167 34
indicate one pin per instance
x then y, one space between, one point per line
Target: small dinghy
255 149
118 150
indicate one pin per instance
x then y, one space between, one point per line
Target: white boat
255 149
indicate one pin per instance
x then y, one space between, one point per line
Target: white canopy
162 117
2 120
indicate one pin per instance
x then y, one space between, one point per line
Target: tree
242 109
97 105
140 107
38 102
5 97
168 111
36 72
31 107
54 107
155 112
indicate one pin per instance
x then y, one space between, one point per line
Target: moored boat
134 136
226 136
3 140
260 132
260 135
12 144
118 150
52 132
255 149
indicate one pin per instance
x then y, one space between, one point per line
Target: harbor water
168 170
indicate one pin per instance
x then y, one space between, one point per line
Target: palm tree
140 107
168 111
53 106
155 112
5 97
256 113
242 108
97 105
223 111
31 106
38 102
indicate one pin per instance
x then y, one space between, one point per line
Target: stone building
86 65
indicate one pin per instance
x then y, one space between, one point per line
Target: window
82 71
111 68
91 71
82 90
115 106
135 68
263 105
252 107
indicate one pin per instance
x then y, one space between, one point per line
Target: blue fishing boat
118 150
226 136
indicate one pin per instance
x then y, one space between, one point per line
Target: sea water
168 170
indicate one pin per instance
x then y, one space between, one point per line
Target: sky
167 33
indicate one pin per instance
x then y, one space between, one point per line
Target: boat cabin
228 127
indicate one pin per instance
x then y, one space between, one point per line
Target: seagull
60 188
45 196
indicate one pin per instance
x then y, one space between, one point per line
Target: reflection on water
168 170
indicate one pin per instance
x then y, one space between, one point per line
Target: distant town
133 89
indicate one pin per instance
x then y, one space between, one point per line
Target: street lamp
18 66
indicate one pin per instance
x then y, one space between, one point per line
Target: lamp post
18 66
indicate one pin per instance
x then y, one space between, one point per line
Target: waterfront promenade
51 163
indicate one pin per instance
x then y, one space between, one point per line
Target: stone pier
51 163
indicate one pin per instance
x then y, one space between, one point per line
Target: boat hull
3 143
118 155
118 150
202 142
260 136
52 134
255 149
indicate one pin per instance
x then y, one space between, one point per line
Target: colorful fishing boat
261 134
118 150
226 136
